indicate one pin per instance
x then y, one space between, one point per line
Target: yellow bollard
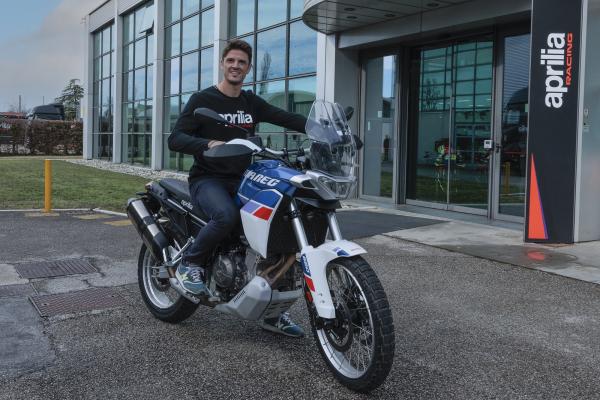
47 185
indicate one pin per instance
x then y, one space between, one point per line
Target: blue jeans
214 196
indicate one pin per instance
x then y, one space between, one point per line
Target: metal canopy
331 16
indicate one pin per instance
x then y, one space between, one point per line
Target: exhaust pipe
152 234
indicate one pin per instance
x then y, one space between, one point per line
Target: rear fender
314 263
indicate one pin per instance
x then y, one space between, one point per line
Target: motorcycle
290 246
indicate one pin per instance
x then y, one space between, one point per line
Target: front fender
314 262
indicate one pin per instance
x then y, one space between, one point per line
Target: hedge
40 137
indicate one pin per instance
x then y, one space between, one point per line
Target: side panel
257 215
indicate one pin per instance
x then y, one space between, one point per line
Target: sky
41 48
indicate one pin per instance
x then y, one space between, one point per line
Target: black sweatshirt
191 134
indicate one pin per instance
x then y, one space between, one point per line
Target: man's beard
238 81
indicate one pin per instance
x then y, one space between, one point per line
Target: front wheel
359 347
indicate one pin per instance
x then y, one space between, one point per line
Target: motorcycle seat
180 190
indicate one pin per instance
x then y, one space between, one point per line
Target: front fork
314 260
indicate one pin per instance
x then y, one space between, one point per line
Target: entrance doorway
510 149
450 125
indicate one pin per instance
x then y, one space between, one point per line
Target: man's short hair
238 44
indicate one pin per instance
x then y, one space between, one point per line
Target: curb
101 211
42 210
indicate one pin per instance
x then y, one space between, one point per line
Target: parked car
54 111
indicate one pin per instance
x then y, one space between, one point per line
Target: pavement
470 321
492 240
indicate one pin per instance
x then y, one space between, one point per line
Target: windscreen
332 149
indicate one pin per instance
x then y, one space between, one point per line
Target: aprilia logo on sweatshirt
558 59
238 118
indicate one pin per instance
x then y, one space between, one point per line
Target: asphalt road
466 328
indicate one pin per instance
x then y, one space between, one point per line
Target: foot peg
181 290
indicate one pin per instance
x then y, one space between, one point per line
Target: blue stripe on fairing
251 206
268 198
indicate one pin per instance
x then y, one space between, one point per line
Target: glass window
106 40
128 57
149 82
207 27
172 11
106 66
206 68
148 20
97 44
303 42
273 60
140 53
139 19
106 92
189 7
273 93
296 8
271 54
241 17
172 108
139 86
188 30
127 117
301 94
172 40
148 118
151 52
172 84
271 12
97 68
189 72
189 35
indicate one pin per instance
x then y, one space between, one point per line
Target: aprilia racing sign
553 117
558 59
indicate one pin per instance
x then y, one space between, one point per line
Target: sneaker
191 278
283 325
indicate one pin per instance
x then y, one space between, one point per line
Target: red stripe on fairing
263 213
309 283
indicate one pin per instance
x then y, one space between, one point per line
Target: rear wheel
359 349
164 302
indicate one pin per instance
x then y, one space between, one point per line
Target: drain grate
49 269
77 302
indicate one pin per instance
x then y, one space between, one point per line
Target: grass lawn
73 186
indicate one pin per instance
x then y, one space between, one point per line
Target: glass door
511 136
450 118
379 152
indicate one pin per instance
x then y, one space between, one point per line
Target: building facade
475 106
146 58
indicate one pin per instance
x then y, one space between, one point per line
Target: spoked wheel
164 302
359 348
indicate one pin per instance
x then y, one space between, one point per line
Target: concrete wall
588 171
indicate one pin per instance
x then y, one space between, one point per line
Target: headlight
338 189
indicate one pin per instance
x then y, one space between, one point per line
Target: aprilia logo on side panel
558 59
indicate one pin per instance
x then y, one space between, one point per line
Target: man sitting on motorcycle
212 187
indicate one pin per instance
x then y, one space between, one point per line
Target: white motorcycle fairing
314 262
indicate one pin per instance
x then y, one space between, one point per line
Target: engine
229 272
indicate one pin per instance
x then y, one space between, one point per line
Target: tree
71 99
